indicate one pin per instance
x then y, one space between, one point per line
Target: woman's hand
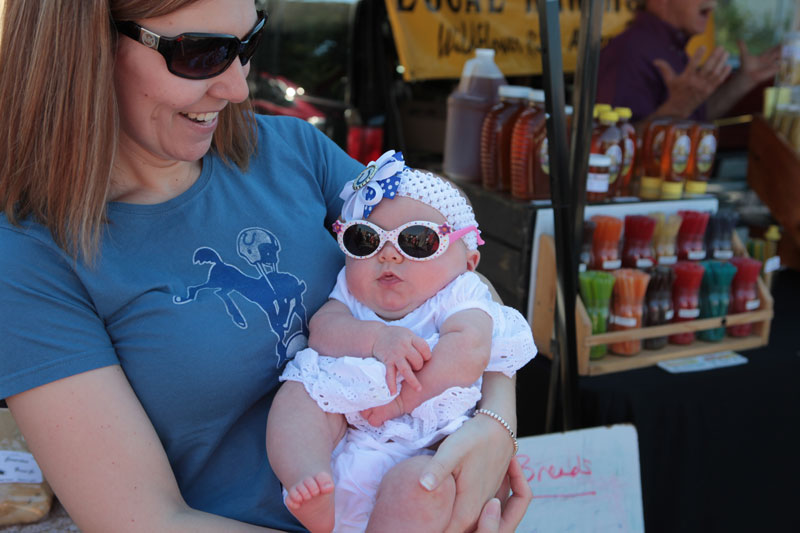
477 455
491 519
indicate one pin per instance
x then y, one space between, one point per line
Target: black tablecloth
720 449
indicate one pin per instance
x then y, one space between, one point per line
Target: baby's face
392 285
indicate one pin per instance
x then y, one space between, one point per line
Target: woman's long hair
60 124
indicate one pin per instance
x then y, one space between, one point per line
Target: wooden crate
773 172
761 319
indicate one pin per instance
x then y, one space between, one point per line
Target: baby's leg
403 505
300 440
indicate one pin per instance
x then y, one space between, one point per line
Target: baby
429 329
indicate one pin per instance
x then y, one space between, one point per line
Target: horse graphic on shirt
278 294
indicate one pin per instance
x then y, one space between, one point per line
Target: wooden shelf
760 318
773 172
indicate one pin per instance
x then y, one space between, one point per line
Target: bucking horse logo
278 294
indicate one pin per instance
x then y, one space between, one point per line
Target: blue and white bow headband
379 180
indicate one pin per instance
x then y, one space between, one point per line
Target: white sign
584 480
18 467
699 363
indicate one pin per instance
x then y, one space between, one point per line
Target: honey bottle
704 148
652 151
675 159
607 140
496 134
597 178
628 151
528 125
541 166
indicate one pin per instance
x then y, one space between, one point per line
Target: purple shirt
627 76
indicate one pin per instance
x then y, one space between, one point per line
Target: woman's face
155 105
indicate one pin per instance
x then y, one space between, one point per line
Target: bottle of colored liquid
744 293
719 233
607 140
629 290
586 246
635 184
597 178
652 152
665 238
466 108
715 296
658 303
686 297
772 261
524 136
605 243
596 288
628 151
496 135
637 248
691 235
675 165
541 167
704 148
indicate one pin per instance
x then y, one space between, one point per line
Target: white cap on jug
513 91
537 95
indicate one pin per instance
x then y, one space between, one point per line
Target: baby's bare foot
311 502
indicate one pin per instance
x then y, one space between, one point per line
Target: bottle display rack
760 318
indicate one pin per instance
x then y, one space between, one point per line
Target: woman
157 268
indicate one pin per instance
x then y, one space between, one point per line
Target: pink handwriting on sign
544 472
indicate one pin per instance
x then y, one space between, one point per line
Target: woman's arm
478 454
103 458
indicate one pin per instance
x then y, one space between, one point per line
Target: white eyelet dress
351 384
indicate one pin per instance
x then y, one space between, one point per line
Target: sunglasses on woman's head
419 240
198 56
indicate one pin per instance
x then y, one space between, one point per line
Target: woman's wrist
502 422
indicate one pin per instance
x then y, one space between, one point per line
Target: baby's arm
335 332
460 357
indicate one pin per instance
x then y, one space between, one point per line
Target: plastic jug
467 106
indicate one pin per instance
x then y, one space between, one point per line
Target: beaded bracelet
502 421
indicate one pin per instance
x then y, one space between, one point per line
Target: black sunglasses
197 56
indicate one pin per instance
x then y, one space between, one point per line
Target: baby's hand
380 414
402 352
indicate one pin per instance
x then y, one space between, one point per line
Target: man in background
647 68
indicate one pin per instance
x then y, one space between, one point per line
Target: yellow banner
434 38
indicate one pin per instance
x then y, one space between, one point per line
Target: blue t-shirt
200 299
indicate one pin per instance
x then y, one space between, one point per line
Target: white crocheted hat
389 177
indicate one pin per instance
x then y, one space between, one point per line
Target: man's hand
760 68
689 89
403 353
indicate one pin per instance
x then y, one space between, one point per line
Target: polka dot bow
379 180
